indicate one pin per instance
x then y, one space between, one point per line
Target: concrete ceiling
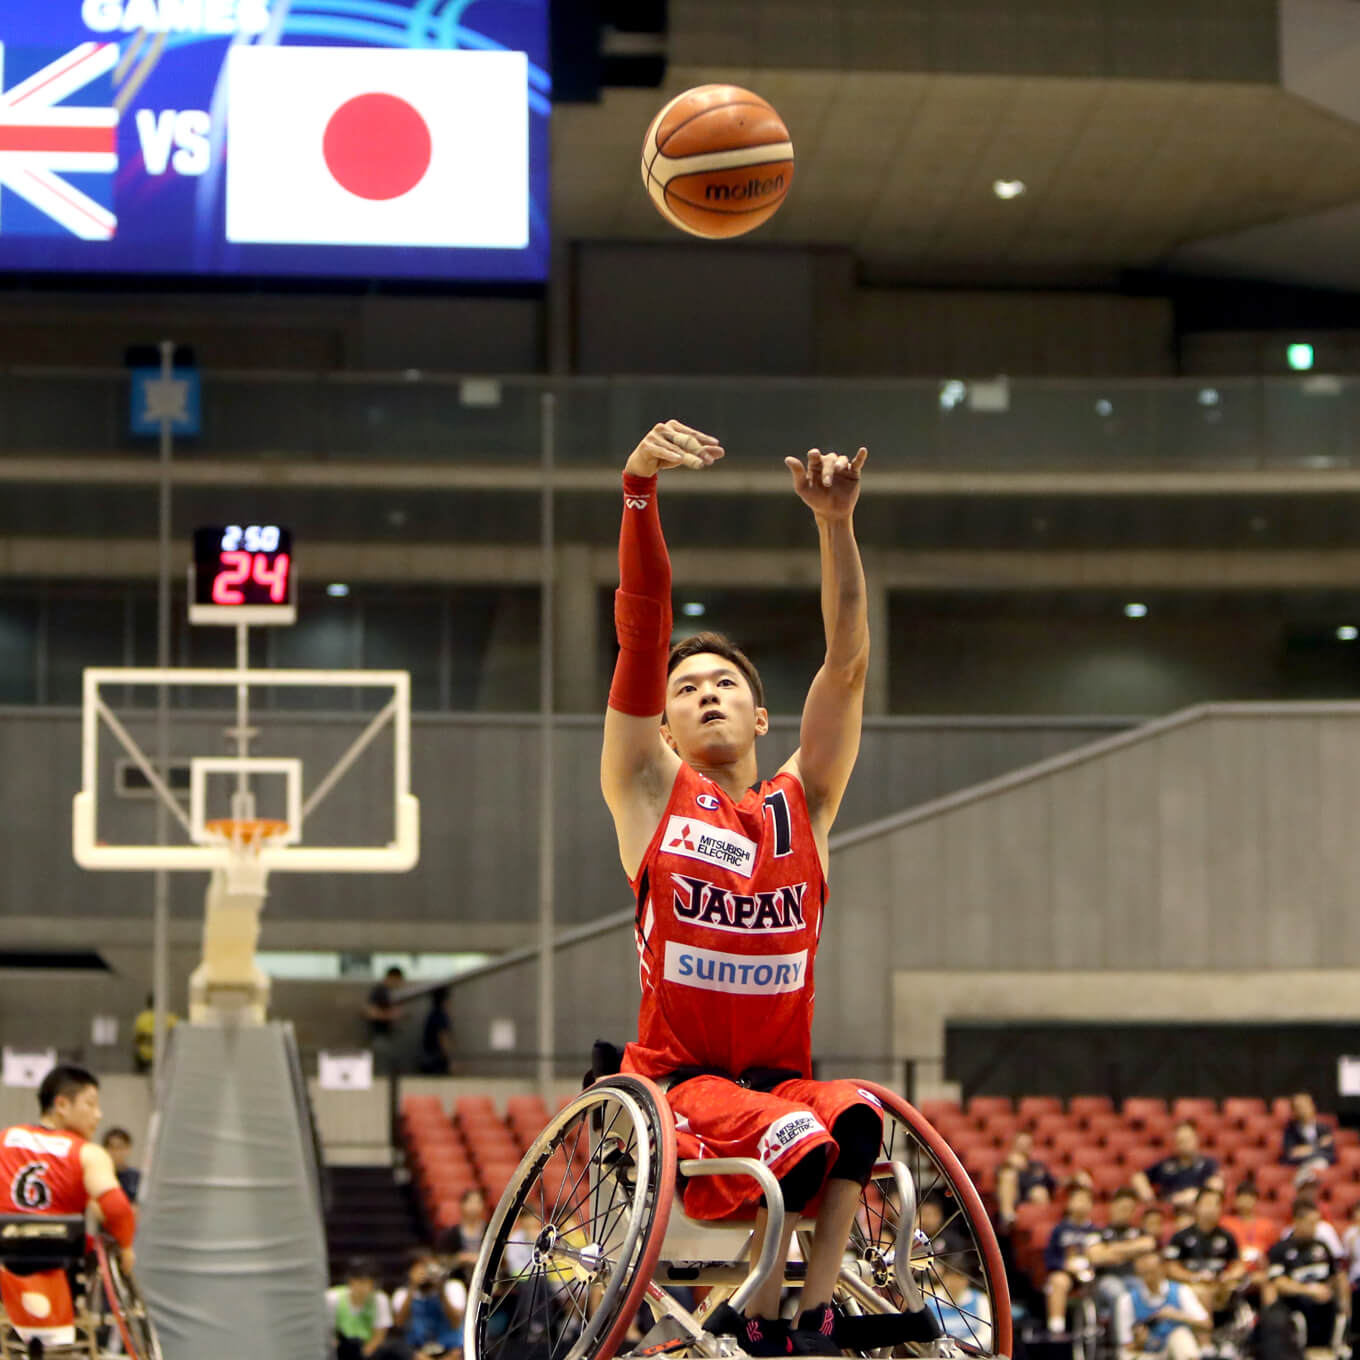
898 167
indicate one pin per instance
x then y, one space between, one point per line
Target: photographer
429 1307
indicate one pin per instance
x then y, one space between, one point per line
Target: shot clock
243 573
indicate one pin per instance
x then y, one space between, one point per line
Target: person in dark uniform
1303 1277
1207 1258
1180 1177
1067 1256
1122 1241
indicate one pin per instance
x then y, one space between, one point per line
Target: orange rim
247 830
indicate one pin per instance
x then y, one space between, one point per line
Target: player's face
79 1113
1149 1269
711 713
1207 1209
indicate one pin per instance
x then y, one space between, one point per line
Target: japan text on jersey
58 157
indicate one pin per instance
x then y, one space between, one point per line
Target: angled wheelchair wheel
574 1241
126 1309
956 1266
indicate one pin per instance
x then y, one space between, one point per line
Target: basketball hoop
246 833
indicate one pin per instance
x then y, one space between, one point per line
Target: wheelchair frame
95 1274
633 1152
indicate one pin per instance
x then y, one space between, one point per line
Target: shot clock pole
160 965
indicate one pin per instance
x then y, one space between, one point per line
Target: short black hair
65 1079
360 1268
395 970
722 646
117 1133
471 1190
1124 1192
421 1254
1305 1204
1247 1187
1187 1124
1209 1190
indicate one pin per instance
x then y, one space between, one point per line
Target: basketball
717 161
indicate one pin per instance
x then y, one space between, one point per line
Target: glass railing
1116 424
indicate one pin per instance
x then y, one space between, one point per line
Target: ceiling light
1134 610
1008 188
1104 407
1208 396
337 590
1299 357
1348 632
693 609
953 393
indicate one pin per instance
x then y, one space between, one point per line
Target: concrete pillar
876 690
578 632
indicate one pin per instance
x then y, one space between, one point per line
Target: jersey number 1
778 806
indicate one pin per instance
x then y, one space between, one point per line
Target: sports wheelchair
107 1302
590 1232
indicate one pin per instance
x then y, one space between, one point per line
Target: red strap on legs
642 604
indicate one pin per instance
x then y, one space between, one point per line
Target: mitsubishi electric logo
713 844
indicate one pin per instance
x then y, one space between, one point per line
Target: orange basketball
717 161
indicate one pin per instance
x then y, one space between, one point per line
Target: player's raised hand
829 484
671 444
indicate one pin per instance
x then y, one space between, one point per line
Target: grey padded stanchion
231 1247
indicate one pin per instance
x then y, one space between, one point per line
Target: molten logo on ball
717 161
753 188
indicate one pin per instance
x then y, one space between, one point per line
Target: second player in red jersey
730 878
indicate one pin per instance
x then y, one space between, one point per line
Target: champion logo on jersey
708 802
712 844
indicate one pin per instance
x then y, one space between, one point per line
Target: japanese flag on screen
377 147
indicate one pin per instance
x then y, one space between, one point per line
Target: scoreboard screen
324 138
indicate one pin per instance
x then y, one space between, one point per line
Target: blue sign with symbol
156 398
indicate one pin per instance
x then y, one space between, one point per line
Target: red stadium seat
1158 1128
1000 1128
1237 1109
1087 1156
1100 1126
1084 1107
1062 1143
939 1111
1122 1137
423 1104
1275 1181
1348 1159
1282 1109
474 1107
1247 1158
1107 1177
1262 1129
985 1107
1049 1125
1194 1108
1342 1197
1029 1108
1137 1109
1139 1156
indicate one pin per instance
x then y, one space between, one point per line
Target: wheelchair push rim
596 1185
127 1307
971 1248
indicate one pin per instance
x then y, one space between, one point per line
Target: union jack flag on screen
57 160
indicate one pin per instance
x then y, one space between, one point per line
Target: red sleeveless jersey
40 1171
729 910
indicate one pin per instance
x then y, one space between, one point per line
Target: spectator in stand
436 1039
118 1144
1351 1241
945 1235
1180 1177
382 1012
1255 1233
1122 1242
1021 1179
463 1241
429 1307
1153 1223
1309 1144
1207 1258
144 1034
360 1317
1304 1277
1068 1255
1168 1319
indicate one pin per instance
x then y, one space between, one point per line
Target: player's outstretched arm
833 713
110 1203
637 769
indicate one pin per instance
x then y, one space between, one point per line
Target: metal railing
1311 421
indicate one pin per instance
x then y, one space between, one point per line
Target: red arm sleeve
119 1217
642 604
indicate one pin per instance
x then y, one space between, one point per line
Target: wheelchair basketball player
729 875
52 1167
